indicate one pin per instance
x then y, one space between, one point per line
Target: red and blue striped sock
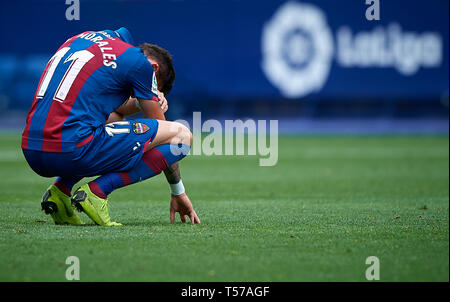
66 184
152 163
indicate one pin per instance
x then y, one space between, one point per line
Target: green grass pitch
328 204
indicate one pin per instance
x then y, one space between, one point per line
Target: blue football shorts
114 147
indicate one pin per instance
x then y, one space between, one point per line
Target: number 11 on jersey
78 60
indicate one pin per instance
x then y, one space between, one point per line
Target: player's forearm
128 108
151 109
174 179
114 117
173 174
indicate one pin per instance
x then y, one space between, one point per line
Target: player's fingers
160 95
172 215
162 103
192 218
183 218
162 100
197 220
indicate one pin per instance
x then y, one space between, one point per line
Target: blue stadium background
390 75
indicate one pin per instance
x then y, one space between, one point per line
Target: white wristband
177 189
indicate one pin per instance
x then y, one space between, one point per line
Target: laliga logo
297 47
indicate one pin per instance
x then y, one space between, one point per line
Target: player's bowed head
162 64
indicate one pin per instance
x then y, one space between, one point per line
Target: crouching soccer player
76 126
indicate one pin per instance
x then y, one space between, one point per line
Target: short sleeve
125 35
143 80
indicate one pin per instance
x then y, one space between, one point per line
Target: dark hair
165 73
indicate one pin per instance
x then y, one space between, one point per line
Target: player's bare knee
186 136
183 134
190 137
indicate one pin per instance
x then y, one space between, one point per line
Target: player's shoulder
136 61
117 50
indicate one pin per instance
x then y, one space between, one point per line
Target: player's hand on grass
163 102
182 205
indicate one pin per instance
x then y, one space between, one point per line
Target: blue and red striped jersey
89 76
